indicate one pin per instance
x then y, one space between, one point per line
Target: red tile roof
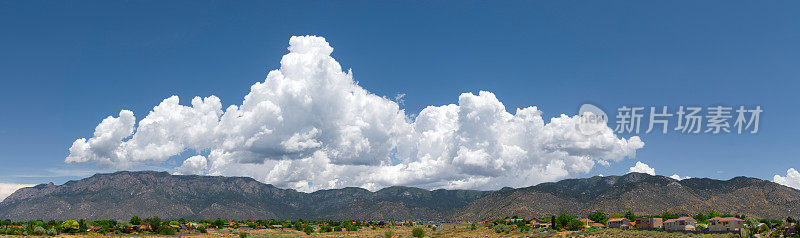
679 219
725 219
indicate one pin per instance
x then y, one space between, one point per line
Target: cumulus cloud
642 168
309 126
193 165
7 189
792 179
678 177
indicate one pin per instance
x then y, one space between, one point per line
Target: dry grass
449 230
616 233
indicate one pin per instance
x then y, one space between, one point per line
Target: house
725 224
680 224
621 223
143 226
591 224
535 223
597 225
649 223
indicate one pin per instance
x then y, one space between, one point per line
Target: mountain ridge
123 194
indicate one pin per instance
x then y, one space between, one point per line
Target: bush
243 235
501 228
52 232
69 226
39 231
163 230
202 229
325 229
574 225
136 220
388 234
418 232
308 230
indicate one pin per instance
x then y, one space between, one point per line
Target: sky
391 93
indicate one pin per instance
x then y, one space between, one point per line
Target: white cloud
642 168
7 189
193 165
792 178
310 126
678 177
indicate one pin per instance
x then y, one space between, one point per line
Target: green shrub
502 228
69 226
308 230
388 234
52 232
574 225
163 230
243 235
418 232
39 231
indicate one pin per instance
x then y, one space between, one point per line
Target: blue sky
67 65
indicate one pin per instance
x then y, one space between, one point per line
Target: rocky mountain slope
121 195
147 193
641 193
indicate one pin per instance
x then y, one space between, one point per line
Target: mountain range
121 195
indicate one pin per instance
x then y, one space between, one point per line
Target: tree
630 216
82 225
599 217
220 222
700 218
553 222
563 220
69 226
308 230
668 215
764 228
124 226
418 232
165 230
752 224
155 222
136 220
574 225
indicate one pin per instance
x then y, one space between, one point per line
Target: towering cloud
792 178
310 126
643 168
